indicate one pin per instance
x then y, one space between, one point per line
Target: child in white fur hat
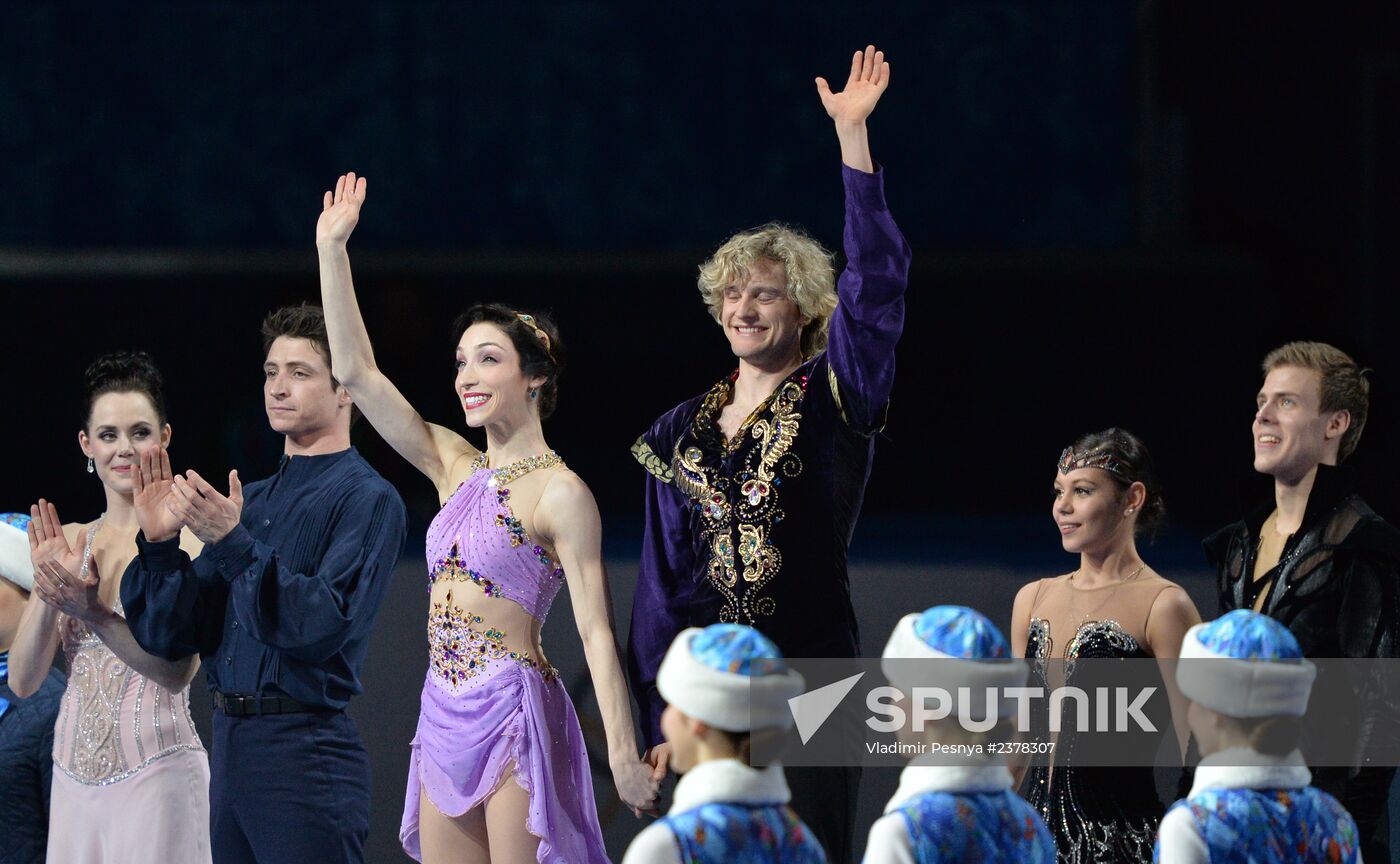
1251 800
26 725
955 809
722 684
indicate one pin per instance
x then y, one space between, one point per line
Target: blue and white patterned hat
952 633
1244 664
15 565
729 676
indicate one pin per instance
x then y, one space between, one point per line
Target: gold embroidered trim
746 504
841 408
836 392
642 452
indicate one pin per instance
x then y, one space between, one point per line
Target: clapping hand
57 566
340 210
154 484
209 514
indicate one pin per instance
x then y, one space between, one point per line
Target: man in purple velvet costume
754 487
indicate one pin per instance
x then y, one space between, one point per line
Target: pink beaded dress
131 778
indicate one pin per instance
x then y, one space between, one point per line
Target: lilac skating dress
487 709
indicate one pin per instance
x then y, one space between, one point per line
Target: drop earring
534 394
91 466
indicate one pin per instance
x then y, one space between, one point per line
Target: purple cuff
867 191
233 554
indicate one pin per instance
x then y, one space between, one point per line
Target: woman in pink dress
131 778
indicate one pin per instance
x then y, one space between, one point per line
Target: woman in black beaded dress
1112 605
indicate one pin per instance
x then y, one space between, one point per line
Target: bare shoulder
1173 600
566 511
566 493
1169 595
1026 595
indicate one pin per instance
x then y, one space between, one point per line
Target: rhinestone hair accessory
1072 460
529 321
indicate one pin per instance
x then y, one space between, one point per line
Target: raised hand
340 210
152 490
637 786
869 77
59 579
203 509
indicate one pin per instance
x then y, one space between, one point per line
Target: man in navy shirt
279 605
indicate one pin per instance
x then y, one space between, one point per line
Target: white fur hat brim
953 673
1242 688
725 700
15 565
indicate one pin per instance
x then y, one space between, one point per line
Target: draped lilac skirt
510 718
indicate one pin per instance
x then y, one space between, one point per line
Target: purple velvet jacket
757 532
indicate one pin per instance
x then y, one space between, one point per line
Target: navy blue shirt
26 769
284 604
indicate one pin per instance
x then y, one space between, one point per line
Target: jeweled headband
529 321
1071 460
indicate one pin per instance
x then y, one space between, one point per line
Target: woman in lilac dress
498 770
131 778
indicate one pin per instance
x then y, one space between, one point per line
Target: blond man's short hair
1344 384
807 267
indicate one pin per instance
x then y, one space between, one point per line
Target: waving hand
870 75
340 210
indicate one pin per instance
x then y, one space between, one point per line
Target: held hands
56 565
340 211
638 786
869 77
659 758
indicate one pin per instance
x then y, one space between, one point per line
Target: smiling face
490 383
760 318
1292 435
121 427
301 399
1089 509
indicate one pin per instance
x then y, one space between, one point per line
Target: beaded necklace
508 474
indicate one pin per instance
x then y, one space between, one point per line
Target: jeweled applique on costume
487 708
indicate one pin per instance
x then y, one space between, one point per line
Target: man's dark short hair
303 321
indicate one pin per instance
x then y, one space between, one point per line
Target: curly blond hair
1344 384
811 278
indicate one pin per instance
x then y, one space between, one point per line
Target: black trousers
288 788
825 799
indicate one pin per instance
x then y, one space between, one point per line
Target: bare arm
568 516
1171 615
1020 632
36 642
61 585
869 77
430 448
173 675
